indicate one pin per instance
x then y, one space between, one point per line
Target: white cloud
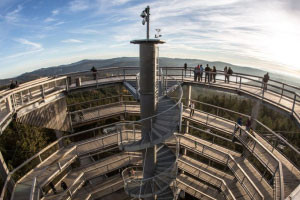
33 45
79 5
49 19
13 16
55 12
72 41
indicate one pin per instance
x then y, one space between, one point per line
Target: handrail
166 171
245 115
279 168
228 156
195 189
37 155
95 100
211 175
264 126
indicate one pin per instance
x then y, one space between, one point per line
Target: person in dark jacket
229 72
225 73
12 85
207 72
265 81
63 185
94 70
185 68
195 73
201 73
214 70
248 124
240 123
52 187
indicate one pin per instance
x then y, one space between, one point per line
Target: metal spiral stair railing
164 123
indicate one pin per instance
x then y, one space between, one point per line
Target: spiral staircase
164 123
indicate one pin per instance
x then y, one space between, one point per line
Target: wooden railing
217 111
222 157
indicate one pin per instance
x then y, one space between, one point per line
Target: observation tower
160 118
128 133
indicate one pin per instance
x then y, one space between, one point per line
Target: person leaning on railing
214 71
225 73
265 81
207 72
94 70
229 72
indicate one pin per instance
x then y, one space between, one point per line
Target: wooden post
295 96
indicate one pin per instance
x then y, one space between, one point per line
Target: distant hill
134 62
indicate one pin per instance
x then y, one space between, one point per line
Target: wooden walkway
91 114
48 169
270 97
229 179
93 172
291 175
198 189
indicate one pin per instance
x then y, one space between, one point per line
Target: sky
263 34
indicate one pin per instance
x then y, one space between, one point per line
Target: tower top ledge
153 41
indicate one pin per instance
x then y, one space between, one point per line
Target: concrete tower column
148 97
255 112
187 103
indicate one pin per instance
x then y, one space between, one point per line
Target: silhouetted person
52 187
185 68
239 122
248 124
17 84
192 107
201 73
229 72
225 73
198 73
195 73
265 81
214 70
207 72
12 85
63 185
94 70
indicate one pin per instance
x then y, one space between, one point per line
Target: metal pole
148 21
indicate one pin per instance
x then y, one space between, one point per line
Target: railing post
124 74
43 91
207 119
240 83
282 89
21 97
133 132
295 96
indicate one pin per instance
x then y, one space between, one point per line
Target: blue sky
257 33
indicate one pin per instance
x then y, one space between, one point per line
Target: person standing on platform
230 72
195 73
214 73
207 72
185 68
201 73
192 107
63 185
52 187
94 70
198 73
225 73
239 123
265 81
248 124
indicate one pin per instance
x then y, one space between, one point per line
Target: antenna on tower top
146 19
